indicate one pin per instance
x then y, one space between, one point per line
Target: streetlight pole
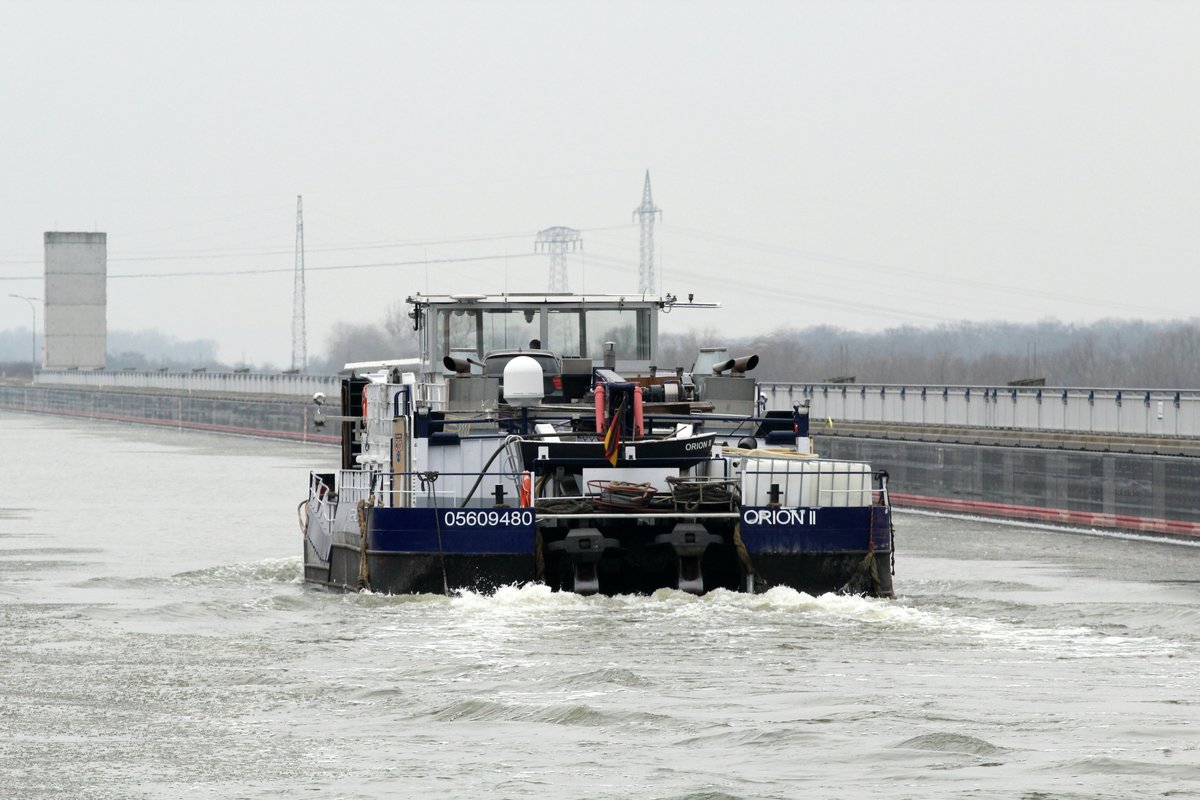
33 334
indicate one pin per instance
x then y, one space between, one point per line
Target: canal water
156 642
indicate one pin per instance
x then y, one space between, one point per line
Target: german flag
612 436
612 440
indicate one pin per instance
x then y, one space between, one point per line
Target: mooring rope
428 479
744 555
866 568
539 544
363 573
564 505
539 557
892 540
692 494
302 518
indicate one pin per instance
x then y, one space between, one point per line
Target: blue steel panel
812 530
463 532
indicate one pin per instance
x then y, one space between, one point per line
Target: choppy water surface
155 642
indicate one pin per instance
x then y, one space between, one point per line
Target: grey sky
857 164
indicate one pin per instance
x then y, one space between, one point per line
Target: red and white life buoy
526 489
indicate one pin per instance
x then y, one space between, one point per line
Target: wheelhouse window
509 330
575 332
478 331
460 332
570 331
564 332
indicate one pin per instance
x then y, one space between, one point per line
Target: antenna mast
558 241
646 213
299 336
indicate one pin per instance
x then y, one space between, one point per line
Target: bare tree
1105 353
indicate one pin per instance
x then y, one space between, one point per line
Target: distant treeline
1114 353
350 342
1106 353
1117 353
141 350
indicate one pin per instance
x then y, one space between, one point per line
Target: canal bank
1129 483
276 417
1150 493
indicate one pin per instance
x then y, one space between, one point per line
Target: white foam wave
716 607
722 608
536 605
280 570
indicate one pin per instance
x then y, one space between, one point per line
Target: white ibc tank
810 483
522 382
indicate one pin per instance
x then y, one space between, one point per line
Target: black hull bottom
421 573
648 569
720 568
618 571
822 573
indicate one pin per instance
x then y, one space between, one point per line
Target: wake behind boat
491 461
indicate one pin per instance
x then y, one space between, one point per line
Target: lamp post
33 334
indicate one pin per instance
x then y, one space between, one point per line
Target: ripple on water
274 570
38 565
481 710
948 742
241 574
617 676
1185 773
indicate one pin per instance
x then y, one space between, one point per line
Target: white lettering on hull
474 519
779 516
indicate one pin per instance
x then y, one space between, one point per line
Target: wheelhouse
573 326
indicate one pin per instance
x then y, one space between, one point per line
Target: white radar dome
523 382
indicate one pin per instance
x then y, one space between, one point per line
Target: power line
214 273
274 270
874 266
221 253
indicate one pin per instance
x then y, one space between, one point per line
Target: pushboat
631 480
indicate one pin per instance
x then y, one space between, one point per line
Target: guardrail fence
1150 412
232 382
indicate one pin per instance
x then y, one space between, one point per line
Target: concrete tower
76 326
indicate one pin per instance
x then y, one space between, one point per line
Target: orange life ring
364 404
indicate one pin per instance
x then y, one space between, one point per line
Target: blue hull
436 550
453 531
782 531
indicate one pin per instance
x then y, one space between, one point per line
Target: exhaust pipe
736 366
